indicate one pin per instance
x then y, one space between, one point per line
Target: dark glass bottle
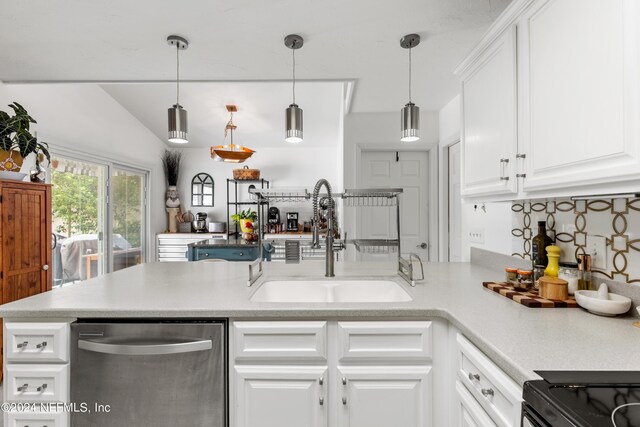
539 244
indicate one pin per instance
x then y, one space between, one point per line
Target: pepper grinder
553 256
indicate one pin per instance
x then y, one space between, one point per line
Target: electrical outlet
597 248
476 235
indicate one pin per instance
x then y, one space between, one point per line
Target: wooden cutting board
529 298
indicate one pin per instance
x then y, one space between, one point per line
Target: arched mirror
202 190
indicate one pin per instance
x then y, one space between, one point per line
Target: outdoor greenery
75 202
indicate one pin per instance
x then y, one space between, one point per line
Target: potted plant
17 141
246 219
171 164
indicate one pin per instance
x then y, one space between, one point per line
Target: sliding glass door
127 217
98 218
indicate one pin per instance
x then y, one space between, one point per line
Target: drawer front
37 383
280 341
496 392
470 413
36 419
229 254
391 341
36 342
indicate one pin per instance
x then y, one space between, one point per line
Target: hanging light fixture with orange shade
230 153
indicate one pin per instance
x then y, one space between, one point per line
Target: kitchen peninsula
450 309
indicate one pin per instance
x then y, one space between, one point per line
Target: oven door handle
145 349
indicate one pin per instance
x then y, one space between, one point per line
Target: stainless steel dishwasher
162 373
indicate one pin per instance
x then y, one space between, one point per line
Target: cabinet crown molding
507 18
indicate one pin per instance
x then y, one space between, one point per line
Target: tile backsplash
570 222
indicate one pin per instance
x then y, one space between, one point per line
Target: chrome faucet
329 270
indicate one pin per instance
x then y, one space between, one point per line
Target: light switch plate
476 235
597 248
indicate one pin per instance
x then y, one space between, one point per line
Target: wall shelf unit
234 188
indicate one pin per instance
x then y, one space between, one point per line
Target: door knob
45 267
422 245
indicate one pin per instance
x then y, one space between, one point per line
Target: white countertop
519 339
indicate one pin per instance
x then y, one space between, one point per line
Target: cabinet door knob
321 380
43 387
43 344
45 267
344 381
344 400
474 377
487 392
22 344
241 254
321 401
23 387
206 254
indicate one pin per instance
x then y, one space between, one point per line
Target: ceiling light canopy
230 153
177 115
293 113
410 114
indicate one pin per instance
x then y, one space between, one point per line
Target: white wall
495 223
84 119
382 131
286 166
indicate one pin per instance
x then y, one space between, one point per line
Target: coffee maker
292 221
273 215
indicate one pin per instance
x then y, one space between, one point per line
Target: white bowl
13 176
616 304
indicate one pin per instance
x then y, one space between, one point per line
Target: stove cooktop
585 399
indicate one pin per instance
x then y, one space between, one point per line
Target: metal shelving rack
261 205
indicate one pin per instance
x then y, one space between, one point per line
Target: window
202 190
98 217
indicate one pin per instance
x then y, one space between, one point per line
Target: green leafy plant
15 134
248 214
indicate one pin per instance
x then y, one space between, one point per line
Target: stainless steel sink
326 291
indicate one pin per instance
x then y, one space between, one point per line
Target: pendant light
294 113
177 114
410 114
230 153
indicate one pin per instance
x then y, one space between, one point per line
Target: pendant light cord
177 74
293 50
410 47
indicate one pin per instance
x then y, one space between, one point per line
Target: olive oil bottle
539 244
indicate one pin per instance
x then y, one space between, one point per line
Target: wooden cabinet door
489 120
280 396
26 242
580 103
385 396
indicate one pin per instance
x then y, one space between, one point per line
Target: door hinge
1 275
0 198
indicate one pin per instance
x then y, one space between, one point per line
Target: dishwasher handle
145 349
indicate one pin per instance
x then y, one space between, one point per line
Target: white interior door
455 205
407 170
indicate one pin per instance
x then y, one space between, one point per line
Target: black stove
582 399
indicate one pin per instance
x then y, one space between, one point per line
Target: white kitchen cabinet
468 412
281 396
580 94
382 396
489 119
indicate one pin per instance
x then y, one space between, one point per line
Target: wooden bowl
554 288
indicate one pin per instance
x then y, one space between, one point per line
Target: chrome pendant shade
294 124
177 116
293 114
410 122
410 114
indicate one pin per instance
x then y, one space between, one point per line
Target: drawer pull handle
321 401
487 392
23 344
474 377
344 400
43 344
43 387
241 254
206 254
23 387
321 380
344 381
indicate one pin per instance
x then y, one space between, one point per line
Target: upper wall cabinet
572 123
489 130
580 79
